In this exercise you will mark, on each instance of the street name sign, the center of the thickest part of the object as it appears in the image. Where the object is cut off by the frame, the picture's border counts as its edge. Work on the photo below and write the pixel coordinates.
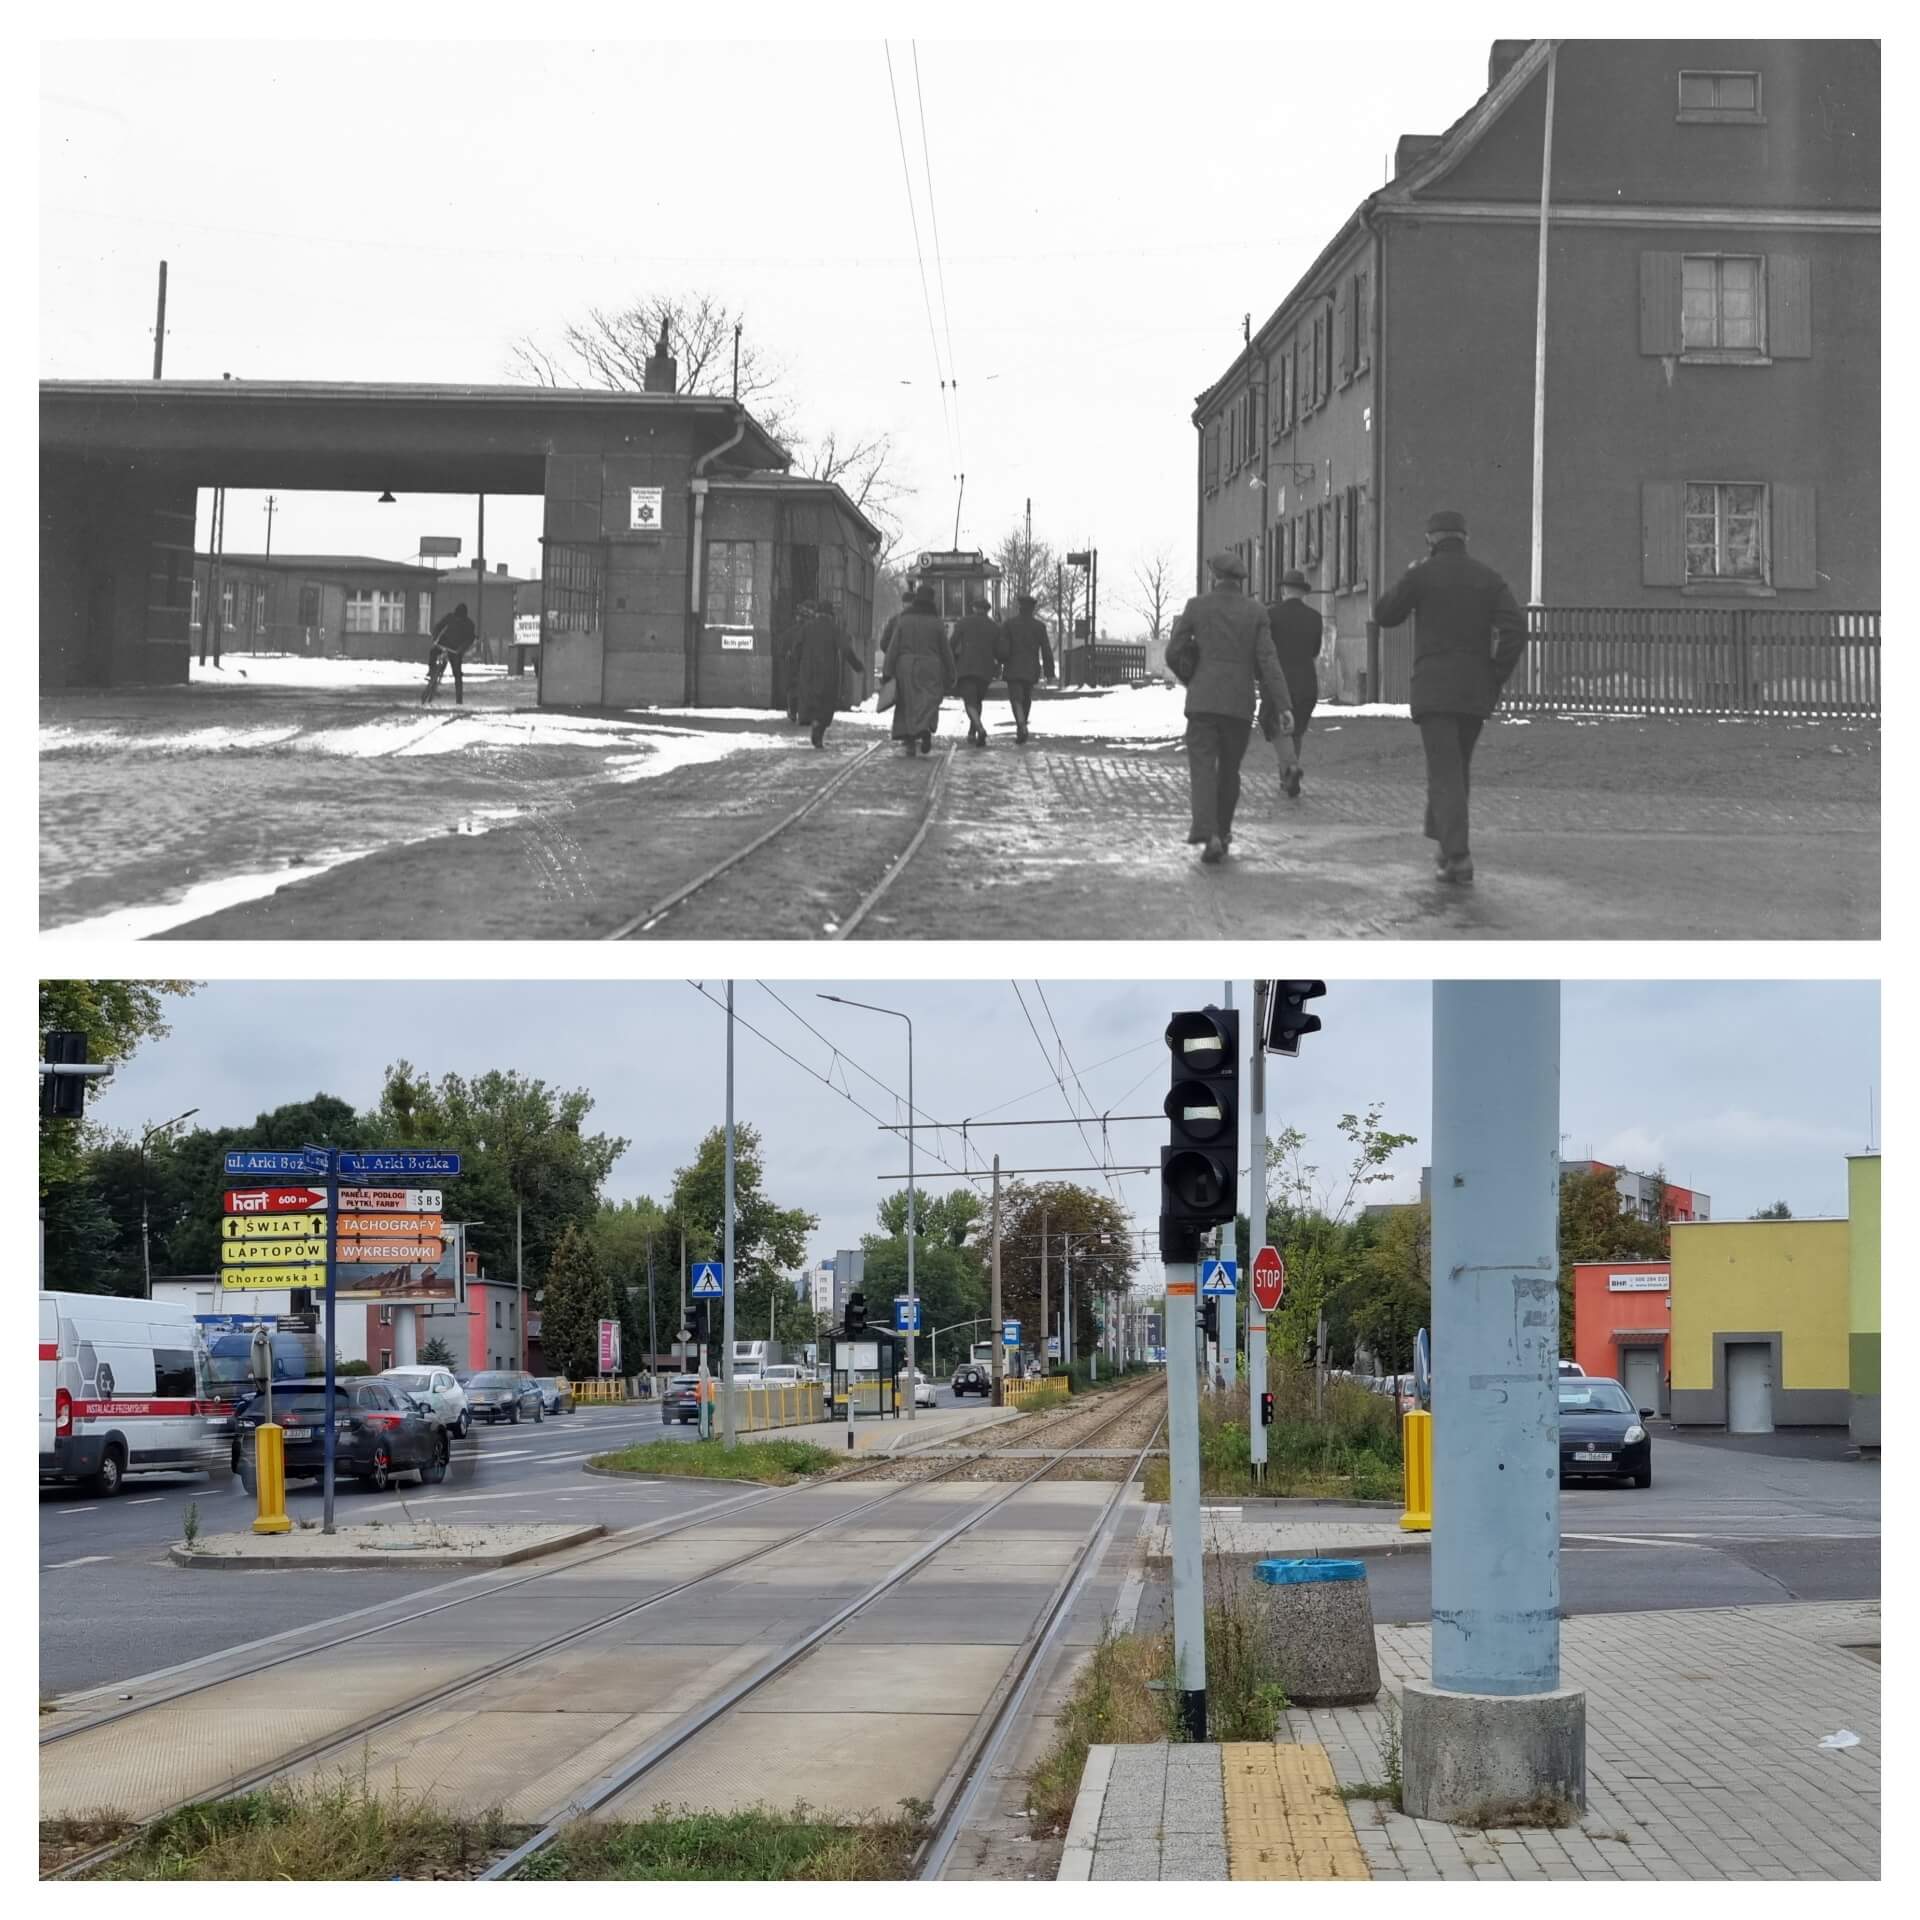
(275, 1226)
(272, 1163)
(389, 1199)
(1269, 1278)
(1218, 1277)
(709, 1280)
(259, 1278)
(248, 1253)
(390, 1226)
(274, 1200)
(364, 1166)
(387, 1253)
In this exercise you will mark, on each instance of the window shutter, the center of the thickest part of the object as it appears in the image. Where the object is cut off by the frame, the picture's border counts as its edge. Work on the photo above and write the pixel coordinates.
(1793, 547)
(1344, 329)
(1362, 320)
(1660, 303)
(1789, 306)
(1663, 543)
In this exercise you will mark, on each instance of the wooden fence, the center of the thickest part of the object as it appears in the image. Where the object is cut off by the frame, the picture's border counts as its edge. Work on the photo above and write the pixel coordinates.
(1705, 660)
(1107, 663)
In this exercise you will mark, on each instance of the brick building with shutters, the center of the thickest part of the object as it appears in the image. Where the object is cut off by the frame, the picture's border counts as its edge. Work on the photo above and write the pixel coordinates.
(1713, 352)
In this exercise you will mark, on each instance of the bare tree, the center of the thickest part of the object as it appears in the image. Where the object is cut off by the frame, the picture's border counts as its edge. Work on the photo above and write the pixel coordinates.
(1153, 578)
(862, 469)
(1026, 566)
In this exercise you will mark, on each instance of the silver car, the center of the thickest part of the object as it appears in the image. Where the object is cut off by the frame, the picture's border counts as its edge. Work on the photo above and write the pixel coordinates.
(444, 1396)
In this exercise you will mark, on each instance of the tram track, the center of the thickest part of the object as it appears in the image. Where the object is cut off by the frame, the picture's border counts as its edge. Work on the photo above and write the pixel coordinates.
(838, 893)
(337, 1740)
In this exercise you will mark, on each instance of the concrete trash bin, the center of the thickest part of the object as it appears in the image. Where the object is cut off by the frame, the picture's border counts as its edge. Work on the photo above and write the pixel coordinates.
(1321, 1628)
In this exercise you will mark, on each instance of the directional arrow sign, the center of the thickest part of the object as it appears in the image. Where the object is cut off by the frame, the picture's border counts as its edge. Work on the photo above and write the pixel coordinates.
(1219, 1277)
(390, 1226)
(254, 1253)
(364, 1166)
(274, 1200)
(234, 1278)
(275, 1226)
(709, 1281)
(388, 1253)
(1269, 1278)
(389, 1199)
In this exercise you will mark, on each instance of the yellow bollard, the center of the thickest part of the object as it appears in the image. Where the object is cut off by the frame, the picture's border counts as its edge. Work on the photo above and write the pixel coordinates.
(270, 1476)
(1416, 1453)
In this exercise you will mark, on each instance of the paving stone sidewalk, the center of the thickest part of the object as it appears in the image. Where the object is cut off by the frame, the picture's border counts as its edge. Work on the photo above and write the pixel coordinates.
(1703, 1762)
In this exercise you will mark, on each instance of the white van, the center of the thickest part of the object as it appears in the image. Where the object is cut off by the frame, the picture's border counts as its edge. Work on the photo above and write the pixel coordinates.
(123, 1389)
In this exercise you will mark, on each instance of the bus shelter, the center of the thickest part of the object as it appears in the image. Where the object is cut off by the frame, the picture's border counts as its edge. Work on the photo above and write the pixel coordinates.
(864, 1365)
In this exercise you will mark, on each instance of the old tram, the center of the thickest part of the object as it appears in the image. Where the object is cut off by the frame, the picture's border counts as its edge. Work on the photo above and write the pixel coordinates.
(957, 576)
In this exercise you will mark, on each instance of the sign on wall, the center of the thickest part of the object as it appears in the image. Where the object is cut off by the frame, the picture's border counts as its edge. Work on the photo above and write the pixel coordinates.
(644, 509)
(1638, 1283)
(736, 640)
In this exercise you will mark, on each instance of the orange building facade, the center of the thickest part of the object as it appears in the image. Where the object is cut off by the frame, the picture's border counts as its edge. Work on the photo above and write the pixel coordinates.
(1622, 1316)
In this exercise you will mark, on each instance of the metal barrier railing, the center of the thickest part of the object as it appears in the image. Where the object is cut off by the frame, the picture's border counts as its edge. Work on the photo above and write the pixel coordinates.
(761, 1409)
(1020, 1393)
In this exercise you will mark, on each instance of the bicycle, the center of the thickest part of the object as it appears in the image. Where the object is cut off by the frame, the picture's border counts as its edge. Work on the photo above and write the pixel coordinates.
(437, 663)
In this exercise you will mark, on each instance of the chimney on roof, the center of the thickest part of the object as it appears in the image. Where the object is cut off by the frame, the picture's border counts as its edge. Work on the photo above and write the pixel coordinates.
(1411, 149)
(1504, 54)
(501, 568)
(663, 371)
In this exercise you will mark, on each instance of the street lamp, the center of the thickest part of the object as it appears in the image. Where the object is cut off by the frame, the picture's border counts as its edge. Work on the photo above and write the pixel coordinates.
(913, 1298)
(933, 1360)
(146, 1255)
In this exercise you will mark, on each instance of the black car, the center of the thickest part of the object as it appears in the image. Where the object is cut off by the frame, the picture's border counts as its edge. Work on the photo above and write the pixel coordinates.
(500, 1395)
(681, 1401)
(1603, 1435)
(378, 1433)
(972, 1379)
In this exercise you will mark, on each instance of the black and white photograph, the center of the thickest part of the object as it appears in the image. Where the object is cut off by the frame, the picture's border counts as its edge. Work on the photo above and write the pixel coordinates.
(960, 490)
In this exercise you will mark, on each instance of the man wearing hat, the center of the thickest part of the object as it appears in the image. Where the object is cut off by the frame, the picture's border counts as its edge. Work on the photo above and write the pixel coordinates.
(1296, 639)
(976, 662)
(1026, 655)
(1468, 637)
(919, 663)
(1221, 647)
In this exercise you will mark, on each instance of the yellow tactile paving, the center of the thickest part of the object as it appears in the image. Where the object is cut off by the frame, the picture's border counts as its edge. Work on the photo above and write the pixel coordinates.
(1285, 1817)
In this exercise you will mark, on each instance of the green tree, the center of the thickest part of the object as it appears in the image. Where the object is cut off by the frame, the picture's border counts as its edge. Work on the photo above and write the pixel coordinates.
(1778, 1211)
(949, 1261)
(115, 1015)
(638, 1245)
(1594, 1226)
(1102, 1247)
(576, 1298)
(436, 1353)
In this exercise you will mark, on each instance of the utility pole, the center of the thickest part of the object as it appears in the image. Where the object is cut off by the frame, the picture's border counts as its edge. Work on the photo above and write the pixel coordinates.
(727, 1435)
(160, 324)
(1046, 1325)
(736, 358)
(480, 586)
(1495, 1725)
(1179, 1251)
(1026, 586)
(653, 1322)
(1066, 1299)
(1229, 1251)
(270, 507)
(519, 1271)
(685, 1326)
(1538, 581)
(999, 1335)
(1257, 1230)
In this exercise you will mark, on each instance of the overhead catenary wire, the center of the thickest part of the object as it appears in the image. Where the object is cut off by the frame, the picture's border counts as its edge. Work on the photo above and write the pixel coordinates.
(906, 175)
(939, 268)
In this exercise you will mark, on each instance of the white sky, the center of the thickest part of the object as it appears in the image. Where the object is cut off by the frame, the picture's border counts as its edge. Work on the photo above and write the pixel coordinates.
(1751, 1092)
(392, 210)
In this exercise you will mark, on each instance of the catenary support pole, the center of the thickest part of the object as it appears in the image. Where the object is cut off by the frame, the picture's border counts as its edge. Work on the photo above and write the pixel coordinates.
(160, 325)
(998, 1335)
(1180, 1253)
(727, 1435)
(1229, 1252)
(1046, 1324)
(327, 1441)
(1257, 1226)
(913, 1232)
(1540, 350)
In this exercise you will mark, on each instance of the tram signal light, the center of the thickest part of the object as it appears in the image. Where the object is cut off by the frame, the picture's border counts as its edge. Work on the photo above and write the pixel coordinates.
(1266, 1409)
(1200, 1164)
(63, 1096)
(1210, 1316)
(1287, 1017)
(856, 1313)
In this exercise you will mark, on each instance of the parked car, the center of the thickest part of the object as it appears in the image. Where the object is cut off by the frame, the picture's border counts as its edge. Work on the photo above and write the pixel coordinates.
(681, 1401)
(780, 1376)
(1603, 1435)
(923, 1392)
(972, 1379)
(556, 1395)
(1569, 1370)
(499, 1395)
(442, 1392)
(378, 1433)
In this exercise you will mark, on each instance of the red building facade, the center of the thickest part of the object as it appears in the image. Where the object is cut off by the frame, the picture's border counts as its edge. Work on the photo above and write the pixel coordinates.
(1622, 1318)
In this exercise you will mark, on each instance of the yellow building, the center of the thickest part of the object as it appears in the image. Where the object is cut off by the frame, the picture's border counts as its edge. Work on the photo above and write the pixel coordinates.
(1863, 1324)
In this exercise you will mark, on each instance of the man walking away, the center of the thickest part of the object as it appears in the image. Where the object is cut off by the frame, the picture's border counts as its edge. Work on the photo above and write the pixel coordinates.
(919, 662)
(453, 636)
(1222, 648)
(976, 661)
(1026, 655)
(1296, 639)
(1468, 637)
(818, 652)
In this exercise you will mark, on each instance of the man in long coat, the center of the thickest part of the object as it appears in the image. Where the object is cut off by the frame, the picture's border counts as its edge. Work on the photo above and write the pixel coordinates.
(976, 662)
(1221, 647)
(920, 664)
(1026, 655)
(1468, 636)
(1296, 639)
(819, 650)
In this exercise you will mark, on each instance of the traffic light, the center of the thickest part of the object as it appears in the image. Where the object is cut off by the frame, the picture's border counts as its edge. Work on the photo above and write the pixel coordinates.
(1266, 1409)
(63, 1096)
(1210, 1316)
(1199, 1166)
(1287, 1017)
(856, 1313)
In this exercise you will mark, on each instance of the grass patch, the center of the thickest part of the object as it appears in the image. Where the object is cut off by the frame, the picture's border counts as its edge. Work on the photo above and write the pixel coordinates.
(1118, 1699)
(1351, 1450)
(774, 1463)
(758, 1844)
(336, 1832)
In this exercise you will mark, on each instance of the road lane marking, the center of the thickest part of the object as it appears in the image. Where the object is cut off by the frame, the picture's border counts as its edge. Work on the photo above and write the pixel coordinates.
(76, 1509)
(145, 1500)
(85, 1560)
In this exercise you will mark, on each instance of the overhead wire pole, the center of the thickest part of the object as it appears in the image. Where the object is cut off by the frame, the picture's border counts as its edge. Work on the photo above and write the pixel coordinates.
(1229, 1252)
(1538, 581)
(727, 1422)
(1257, 1229)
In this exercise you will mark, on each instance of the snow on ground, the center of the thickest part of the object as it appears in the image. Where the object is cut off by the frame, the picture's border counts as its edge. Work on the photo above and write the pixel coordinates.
(306, 670)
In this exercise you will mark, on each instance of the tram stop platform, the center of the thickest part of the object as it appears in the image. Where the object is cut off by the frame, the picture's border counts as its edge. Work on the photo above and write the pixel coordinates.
(932, 1427)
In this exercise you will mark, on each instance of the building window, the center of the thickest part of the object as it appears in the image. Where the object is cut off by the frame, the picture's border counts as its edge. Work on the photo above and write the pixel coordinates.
(496, 1315)
(226, 604)
(386, 1316)
(260, 609)
(1210, 456)
(1362, 321)
(512, 1309)
(193, 618)
(425, 603)
(730, 583)
(371, 611)
(1714, 96)
(1722, 298)
(309, 604)
(1726, 531)
(386, 1358)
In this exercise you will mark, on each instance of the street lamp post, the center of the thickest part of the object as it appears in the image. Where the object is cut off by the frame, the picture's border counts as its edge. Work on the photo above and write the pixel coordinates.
(913, 1297)
(146, 1255)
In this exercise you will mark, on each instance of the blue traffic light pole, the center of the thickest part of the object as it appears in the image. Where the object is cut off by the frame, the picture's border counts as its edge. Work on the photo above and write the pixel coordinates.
(1495, 1728)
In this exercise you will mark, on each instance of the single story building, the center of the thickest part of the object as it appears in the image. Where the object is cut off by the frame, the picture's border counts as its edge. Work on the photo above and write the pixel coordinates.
(1622, 1314)
(337, 606)
(1863, 1299)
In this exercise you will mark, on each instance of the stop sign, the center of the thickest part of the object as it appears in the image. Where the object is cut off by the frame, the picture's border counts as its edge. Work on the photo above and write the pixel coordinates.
(1269, 1278)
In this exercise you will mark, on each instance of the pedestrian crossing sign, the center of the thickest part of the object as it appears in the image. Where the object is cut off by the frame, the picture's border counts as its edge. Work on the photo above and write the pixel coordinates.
(708, 1281)
(1220, 1276)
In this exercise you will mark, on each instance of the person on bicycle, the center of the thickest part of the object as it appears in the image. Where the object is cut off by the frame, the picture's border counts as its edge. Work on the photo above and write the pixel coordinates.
(453, 638)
